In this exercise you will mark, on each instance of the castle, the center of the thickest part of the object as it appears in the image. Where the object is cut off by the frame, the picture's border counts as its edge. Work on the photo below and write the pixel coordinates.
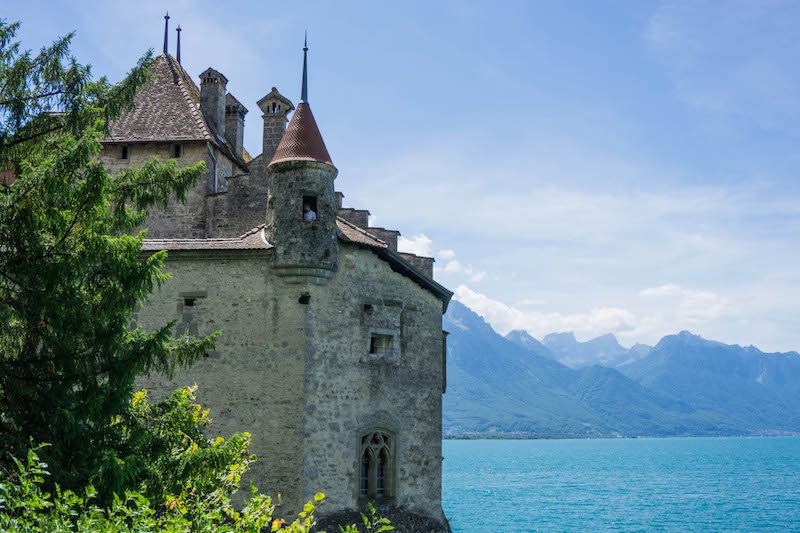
(332, 352)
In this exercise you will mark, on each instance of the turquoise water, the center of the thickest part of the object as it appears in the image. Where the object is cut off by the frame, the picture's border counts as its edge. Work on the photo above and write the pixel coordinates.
(699, 484)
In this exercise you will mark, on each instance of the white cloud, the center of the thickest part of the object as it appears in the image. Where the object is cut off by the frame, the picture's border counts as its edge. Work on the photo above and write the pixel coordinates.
(595, 243)
(678, 308)
(453, 266)
(503, 317)
(446, 254)
(418, 244)
(693, 307)
(525, 302)
(421, 244)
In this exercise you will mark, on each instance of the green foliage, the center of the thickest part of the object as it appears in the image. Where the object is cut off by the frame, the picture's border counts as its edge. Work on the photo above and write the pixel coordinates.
(159, 448)
(26, 506)
(372, 523)
(71, 274)
(184, 482)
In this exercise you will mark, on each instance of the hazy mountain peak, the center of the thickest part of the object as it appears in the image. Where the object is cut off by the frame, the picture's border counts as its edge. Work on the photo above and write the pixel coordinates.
(560, 338)
(640, 349)
(519, 334)
(607, 340)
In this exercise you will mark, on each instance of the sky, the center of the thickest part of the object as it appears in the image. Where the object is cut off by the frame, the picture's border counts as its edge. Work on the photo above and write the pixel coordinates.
(625, 166)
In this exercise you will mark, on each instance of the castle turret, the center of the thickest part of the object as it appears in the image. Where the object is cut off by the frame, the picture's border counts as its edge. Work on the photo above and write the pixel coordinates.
(301, 210)
(275, 108)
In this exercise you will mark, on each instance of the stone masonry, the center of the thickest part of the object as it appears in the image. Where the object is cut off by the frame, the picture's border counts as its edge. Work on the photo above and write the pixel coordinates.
(330, 352)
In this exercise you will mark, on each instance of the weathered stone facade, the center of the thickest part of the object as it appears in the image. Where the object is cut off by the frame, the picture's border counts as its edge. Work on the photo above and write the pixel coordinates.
(329, 336)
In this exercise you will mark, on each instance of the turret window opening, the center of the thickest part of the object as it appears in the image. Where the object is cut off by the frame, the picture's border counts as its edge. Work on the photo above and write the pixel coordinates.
(376, 472)
(381, 344)
(310, 208)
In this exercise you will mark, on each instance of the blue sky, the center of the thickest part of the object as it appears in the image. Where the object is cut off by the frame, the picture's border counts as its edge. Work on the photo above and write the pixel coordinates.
(624, 166)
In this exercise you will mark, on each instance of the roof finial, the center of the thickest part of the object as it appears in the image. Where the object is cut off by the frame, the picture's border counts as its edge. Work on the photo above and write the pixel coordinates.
(304, 91)
(166, 32)
(178, 29)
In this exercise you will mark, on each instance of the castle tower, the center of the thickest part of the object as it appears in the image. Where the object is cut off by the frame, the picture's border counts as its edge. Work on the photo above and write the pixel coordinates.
(301, 176)
(275, 110)
(212, 100)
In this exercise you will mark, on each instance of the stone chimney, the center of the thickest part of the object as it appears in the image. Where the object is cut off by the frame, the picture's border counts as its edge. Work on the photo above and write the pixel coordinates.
(234, 123)
(275, 108)
(389, 236)
(212, 100)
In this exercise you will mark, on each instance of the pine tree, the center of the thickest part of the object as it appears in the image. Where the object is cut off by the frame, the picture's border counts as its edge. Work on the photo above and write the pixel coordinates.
(72, 273)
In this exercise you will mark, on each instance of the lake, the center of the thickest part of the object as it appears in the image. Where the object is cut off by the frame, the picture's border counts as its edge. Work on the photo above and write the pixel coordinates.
(680, 484)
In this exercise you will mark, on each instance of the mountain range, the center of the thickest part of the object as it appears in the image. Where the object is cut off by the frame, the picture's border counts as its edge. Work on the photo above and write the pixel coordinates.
(517, 386)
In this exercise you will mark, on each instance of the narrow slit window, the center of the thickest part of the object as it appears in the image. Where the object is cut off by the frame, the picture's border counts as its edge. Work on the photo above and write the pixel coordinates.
(177, 150)
(123, 153)
(380, 475)
(364, 477)
(309, 208)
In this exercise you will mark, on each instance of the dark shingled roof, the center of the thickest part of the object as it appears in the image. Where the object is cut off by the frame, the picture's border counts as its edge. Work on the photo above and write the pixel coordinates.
(167, 109)
(351, 232)
(252, 240)
(302, 140)
(256, 240)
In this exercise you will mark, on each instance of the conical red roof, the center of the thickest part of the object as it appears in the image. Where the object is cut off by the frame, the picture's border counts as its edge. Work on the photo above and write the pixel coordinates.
(302, 140)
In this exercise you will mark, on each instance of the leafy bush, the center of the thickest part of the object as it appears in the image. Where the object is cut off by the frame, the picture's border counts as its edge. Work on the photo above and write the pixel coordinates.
(184, 481)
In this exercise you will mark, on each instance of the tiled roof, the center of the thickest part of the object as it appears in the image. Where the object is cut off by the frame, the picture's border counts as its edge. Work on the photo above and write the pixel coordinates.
(256, 240)
(252, 240)
(302, 140)
(352, 233)
(167, 109)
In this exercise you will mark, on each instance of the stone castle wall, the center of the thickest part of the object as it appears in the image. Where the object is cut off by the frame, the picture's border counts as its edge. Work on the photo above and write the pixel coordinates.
(253, 380)
(238, 205)
(348, 392)
(178, 219)
(299, 376)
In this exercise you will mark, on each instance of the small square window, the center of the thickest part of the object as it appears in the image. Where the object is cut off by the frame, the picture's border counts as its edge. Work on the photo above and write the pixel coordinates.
(123, 152)
(309, 208)
(380, 345)
(177, 150)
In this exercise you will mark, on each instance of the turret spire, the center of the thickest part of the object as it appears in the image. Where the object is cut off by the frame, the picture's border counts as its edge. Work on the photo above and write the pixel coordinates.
(166, 32)
(304, 90)
(178, 29)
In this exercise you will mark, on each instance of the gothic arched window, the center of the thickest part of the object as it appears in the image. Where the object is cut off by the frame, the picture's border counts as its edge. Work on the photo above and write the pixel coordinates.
(376, 466)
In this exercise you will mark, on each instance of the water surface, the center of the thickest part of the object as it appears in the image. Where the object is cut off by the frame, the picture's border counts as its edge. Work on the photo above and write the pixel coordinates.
(682, 484)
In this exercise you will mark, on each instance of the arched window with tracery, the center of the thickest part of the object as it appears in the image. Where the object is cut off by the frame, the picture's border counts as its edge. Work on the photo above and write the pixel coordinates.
(376, 468)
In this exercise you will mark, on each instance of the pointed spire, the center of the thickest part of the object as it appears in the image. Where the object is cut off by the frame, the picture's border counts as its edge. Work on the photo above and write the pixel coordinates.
(304, 90)
(302, 140)
(166, 32)
(178, 29)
